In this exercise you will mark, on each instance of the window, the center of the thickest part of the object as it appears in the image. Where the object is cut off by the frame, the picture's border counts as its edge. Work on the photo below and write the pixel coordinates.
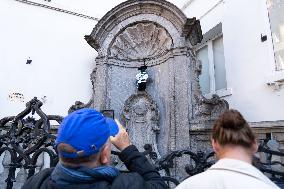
(213, 74)
(276, 17)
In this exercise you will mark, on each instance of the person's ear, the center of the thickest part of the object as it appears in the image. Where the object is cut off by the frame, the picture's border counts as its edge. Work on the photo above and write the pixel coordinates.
(254, 147)
(105, 155)
(215, 145)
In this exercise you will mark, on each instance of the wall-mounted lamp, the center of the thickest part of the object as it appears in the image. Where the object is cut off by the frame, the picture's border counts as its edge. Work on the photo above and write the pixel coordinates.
(29, 61)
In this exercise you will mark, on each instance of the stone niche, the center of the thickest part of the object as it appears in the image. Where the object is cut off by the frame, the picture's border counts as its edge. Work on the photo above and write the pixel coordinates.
(158, 34)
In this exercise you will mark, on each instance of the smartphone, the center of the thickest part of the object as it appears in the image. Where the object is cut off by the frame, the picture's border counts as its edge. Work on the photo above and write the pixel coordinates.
(108, 113)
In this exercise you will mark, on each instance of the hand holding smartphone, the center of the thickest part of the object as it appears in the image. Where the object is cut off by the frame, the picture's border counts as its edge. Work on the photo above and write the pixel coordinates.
(121, 140)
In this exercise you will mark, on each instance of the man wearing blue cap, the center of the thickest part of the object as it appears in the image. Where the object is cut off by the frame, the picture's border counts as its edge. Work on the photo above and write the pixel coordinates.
(84, 148)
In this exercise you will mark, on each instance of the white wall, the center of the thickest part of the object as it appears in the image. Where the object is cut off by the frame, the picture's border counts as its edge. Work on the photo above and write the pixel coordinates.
(61, 59)
(209, 12)
(249, 62)
(88, 7)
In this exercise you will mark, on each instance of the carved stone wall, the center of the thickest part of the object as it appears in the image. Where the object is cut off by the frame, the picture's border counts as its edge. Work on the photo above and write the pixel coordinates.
(158, 34)
(141, 41)
(140, 116)
(200, 136)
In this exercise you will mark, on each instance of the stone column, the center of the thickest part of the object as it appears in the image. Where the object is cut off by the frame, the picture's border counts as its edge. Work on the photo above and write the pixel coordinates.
(99, 81)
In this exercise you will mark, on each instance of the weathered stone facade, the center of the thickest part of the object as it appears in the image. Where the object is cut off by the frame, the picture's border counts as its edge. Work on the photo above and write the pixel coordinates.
(158, 34)
(200, 136)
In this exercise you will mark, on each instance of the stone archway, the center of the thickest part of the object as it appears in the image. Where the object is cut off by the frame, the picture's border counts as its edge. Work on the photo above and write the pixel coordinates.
(158, 32)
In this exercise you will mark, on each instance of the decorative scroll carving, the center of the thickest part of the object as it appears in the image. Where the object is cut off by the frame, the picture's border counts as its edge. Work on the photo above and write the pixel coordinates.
(214, 106)
(159, 11)
(143, 40)
(174, 52)
(208, 110)
(205, 111)
(141, 116)
(79, 105)
(192, 31)
(92, 42)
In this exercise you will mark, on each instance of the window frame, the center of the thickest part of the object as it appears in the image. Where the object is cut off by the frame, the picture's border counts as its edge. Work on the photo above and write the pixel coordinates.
(212, 85)
(277, 69)
(275, 77)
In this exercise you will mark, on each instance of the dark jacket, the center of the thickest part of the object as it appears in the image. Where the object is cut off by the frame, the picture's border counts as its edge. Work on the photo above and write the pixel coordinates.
(143, 175)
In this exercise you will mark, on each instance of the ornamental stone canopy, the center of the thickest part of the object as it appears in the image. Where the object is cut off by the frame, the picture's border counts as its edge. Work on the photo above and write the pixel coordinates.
(155, 34)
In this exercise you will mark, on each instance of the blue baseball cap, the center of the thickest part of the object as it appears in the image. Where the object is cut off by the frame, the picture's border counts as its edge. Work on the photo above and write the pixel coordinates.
(86, 130)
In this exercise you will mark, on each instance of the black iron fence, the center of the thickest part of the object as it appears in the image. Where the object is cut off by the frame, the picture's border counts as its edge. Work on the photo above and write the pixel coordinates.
(24, 139)
(271, 164)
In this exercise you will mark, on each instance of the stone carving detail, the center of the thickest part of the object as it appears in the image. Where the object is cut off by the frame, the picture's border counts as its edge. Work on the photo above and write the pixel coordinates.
(212, 108)
(215, 106)
(92, 42)
(192, 31)
(205, 111)
(140, 116)
(79, 105)
(143, 40)
(159, 32)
